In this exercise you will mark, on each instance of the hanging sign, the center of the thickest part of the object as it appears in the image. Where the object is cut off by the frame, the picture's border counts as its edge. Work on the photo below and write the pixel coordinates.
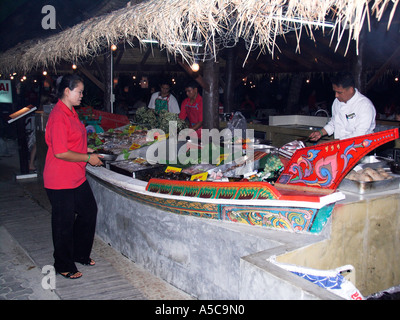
(5, 91)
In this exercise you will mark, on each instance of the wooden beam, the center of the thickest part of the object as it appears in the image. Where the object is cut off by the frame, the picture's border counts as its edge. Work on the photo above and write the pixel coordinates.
(91, 77)
(382, 69)
(126, 68)
(298, 58)
(99, 70)
(146, 56)
(119, 57)
(197, 77)
(322, 54)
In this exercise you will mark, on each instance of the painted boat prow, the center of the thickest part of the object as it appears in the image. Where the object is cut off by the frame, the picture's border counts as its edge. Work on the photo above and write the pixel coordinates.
(324, 166)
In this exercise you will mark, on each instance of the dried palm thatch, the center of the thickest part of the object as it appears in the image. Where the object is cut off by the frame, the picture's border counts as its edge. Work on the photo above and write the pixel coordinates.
(211, 24)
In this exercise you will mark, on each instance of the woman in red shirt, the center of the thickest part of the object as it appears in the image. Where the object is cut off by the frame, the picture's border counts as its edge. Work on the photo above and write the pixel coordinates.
(74, 207)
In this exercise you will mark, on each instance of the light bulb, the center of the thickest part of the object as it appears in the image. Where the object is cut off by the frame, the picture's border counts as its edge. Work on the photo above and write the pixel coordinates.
(195, 67)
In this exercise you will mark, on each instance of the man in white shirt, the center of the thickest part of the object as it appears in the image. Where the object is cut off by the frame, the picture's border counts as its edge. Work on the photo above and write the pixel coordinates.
(163, 100)
(353, 114)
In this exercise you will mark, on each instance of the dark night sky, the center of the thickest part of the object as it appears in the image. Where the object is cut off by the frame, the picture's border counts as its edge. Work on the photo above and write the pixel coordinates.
(21, 20)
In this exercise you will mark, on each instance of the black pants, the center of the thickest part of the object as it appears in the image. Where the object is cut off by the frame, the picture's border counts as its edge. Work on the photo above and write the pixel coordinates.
(73, 220)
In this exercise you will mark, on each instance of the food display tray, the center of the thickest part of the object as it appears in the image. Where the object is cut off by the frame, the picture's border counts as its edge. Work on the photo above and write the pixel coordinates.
(135, 170)
(367, 187)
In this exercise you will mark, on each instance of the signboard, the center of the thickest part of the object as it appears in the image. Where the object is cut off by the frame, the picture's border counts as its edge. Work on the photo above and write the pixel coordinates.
(5, 91)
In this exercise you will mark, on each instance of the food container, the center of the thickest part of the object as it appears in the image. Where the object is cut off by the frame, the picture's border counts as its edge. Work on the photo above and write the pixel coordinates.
(367, 187)
(375, 162)
(265, 148)
(370, 160)
(138, 171)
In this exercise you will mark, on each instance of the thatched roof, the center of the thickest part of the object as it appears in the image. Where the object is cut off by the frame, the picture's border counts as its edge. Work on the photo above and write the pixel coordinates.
(214, 24)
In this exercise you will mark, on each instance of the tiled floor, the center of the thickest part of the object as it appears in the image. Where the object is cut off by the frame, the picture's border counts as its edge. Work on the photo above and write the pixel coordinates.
(149, 286)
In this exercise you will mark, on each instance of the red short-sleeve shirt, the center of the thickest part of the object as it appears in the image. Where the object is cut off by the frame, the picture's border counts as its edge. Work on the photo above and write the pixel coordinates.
(194, 112)
(64, 131)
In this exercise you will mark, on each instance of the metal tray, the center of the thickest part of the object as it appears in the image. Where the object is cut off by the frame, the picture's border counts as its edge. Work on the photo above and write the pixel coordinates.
(139, 172)
(367, 187)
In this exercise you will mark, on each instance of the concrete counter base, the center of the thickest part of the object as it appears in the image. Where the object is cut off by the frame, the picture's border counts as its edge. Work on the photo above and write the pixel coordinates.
(205, 258)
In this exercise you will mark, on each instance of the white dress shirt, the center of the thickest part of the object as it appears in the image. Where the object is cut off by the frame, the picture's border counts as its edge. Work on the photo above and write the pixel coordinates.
(353, 118)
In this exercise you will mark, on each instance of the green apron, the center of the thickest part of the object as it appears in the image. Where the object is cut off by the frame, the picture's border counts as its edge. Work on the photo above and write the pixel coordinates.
(161, 104)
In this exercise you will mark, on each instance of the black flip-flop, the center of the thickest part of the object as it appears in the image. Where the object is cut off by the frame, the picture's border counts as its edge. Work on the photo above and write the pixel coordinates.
(70, 275)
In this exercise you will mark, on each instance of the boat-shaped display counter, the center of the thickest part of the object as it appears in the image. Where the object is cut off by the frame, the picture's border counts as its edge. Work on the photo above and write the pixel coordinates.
(302, 200)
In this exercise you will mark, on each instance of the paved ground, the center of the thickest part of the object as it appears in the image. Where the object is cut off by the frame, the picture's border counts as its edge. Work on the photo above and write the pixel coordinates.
(26, 251)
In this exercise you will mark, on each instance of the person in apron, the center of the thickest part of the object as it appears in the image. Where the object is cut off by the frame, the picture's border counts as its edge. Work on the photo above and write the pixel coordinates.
(164, 100)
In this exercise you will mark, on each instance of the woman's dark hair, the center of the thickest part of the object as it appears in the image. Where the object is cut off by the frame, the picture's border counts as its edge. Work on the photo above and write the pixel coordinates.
(343, 79)
(68, 81)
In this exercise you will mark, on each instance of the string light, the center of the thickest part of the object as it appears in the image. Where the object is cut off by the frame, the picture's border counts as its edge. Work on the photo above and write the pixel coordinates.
(74, 66)
(195, 67)
(113, 47)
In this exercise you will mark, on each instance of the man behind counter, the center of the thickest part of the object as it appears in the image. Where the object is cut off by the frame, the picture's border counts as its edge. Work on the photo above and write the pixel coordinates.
(192, 108)
(163, 99)
(353, 114)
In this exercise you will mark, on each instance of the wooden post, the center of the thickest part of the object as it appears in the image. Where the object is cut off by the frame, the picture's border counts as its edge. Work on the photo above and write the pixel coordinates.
(107, 81)
(229, 81)
(358, 67)
(210, 95)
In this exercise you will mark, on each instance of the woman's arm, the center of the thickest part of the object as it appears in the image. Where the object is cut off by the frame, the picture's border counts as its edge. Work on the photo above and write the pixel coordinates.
(72, 156)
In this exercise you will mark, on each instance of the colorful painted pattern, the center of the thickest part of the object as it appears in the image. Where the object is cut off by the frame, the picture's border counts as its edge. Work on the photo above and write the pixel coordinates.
(214, 190)
(283, 218)
(291, 219)
(321, 166)
(325, 165)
